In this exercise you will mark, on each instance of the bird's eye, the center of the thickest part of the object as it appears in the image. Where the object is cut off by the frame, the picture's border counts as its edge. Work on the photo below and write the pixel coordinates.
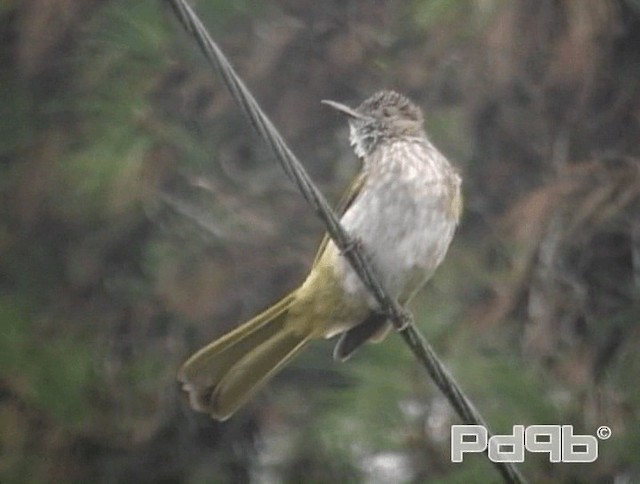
(386, 112)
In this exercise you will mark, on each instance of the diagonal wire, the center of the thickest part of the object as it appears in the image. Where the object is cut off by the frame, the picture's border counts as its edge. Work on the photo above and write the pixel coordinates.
(354, 253)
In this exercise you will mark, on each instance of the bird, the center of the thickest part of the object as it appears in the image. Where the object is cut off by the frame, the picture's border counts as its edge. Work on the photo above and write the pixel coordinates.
(402, 209)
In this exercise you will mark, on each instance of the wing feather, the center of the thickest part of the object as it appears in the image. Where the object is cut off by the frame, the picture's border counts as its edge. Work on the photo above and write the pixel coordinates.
(347, 200)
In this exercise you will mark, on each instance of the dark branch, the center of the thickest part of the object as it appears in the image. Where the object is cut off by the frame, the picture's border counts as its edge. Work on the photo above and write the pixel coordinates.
(401, 319)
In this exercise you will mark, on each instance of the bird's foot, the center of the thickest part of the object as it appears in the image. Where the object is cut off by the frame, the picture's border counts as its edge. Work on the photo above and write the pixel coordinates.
(404, 321)
(354, 243)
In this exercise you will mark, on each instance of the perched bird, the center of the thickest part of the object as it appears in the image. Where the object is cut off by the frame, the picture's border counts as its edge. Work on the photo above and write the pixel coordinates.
(402, 209)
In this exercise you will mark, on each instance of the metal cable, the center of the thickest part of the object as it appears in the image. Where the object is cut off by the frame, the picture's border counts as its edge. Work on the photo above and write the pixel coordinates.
(354, 253)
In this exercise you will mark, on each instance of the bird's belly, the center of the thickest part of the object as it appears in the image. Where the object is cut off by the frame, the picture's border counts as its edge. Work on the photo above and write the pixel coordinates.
(403, 266)
(406, 242)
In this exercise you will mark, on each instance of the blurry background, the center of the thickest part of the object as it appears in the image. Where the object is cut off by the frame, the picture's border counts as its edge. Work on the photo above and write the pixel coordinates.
(140, 217)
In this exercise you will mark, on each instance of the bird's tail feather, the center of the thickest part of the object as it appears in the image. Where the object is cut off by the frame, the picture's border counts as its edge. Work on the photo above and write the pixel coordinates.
(226, 373)
(254, 370)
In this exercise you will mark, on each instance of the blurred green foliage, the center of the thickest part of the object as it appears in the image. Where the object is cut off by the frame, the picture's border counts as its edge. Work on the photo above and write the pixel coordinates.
(56, 377)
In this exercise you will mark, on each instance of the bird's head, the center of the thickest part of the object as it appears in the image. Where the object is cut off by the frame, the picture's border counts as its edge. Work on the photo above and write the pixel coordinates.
(387, 115)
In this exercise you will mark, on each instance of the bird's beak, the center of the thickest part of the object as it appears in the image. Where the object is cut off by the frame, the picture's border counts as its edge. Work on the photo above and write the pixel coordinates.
(352, 113)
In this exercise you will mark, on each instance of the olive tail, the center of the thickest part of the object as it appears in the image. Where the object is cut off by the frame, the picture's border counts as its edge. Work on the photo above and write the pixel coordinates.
(223, 375)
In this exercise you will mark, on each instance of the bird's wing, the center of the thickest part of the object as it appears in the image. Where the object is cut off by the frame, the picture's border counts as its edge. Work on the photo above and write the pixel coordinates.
(347, 200)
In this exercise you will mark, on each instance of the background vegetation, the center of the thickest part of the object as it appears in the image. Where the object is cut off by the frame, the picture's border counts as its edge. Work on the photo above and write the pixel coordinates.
(140, 217)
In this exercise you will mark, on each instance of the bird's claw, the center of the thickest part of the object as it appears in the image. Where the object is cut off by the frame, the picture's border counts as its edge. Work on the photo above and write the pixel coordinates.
(404, 321)
(354, 243)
